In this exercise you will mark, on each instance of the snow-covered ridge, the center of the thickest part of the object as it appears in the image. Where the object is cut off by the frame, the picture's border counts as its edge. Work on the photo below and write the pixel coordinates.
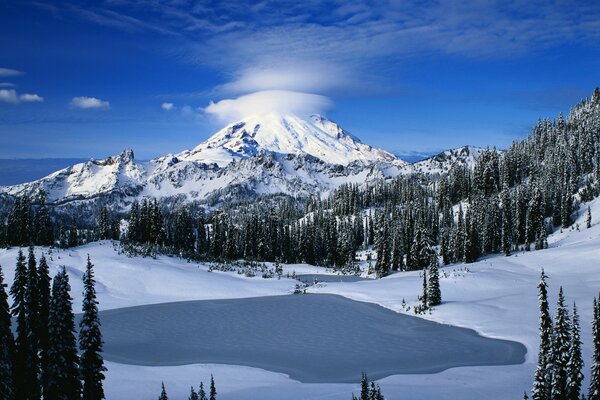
(269, 154)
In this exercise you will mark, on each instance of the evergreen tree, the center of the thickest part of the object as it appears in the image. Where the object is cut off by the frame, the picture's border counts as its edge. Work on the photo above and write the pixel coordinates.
(213, 389)
(44, 293)
(32, 305)
(163, 393)
(24, 374)
(560, 347)
(7, 390)
(434, 294)
(43, 227)
(423, 299)
(588, 218)
(542, 377)
(90, 340)
(575, 363)
(63, 373)
(201, 392)
(193, 394)
(594, 389)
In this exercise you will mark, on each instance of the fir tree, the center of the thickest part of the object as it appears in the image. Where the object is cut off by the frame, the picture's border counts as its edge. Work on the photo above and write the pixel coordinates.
(90, 340)
(44, 292)
(32, 304)
(588, 218)
(434, 294)
(163, 393)
(24, 374)
(560, 347)
(541, 381)
(213, 389)
(193, 394)
(423, 299)
(7, 390)
(63, 373)
(575, 363)
(201, 392)
(594, 389)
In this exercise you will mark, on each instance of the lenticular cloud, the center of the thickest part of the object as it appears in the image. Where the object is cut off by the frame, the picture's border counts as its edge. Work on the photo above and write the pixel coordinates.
(268, 101)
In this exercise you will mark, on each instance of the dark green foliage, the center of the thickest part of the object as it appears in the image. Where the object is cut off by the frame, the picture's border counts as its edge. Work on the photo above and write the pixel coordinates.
(594, 389)
(560, 345)
(163, 393)
(213, 389)
(44, 292)
(368, 390)
(90, 341)
(7, 390)
(63, 363)
(543, 372)
(434, 293)
(575, 363)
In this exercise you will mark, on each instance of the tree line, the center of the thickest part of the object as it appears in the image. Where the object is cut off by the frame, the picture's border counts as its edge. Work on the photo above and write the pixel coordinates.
(41, 360)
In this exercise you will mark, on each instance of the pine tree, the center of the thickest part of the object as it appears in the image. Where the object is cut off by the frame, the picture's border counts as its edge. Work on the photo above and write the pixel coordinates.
(193, 394)
(24, 375)
(213, 389)
(32, 304)
(575, 363)
(588, 218)
(423, 299)
(560, 346)
(63, 373)
(44, 292)
(7, 390)
(201, 392)
(541, 381)
(163, 393)
(90, 340)
(434, 294)
(594, 389)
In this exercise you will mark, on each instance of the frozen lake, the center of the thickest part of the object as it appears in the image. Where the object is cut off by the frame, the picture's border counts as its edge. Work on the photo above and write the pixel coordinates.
(312, 338)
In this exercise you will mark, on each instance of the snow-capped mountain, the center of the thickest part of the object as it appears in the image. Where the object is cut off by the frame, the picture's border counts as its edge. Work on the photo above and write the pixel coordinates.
(287, 134)
(269, 154)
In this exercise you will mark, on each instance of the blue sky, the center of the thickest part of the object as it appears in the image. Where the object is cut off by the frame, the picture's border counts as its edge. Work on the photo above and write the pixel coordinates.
(89, 78)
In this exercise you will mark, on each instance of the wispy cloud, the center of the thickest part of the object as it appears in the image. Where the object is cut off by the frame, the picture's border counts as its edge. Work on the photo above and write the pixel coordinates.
(167, 106)
(279, 101)
(7, 72)
(11, 96)
(7, 84)
(89, 103)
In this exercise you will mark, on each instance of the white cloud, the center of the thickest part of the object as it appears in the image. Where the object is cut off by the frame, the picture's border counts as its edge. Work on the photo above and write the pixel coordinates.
(10, 72)
(7, 84)
(89, 102)
(167, 106)
(31, 98)
(279, 101)
(11, 96)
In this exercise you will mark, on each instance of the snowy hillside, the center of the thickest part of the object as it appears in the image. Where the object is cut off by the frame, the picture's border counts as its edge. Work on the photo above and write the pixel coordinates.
(442, 162)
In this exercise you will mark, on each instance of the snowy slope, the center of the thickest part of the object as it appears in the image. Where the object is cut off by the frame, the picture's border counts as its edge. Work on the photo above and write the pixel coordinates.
(286, 134)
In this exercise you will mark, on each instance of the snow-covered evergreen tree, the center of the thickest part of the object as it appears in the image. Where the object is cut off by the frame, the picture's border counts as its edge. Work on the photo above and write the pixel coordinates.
(560, 346)
(213, 389)
(434, 294)
(594, 389)
(7, 389)
(91, 364)
(543, 373)
(163, 393)
(63, 370)
(575, 363)
(44, 292)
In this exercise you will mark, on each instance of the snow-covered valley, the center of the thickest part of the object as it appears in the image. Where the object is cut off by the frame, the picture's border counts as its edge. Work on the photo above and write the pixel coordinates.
(495, 296)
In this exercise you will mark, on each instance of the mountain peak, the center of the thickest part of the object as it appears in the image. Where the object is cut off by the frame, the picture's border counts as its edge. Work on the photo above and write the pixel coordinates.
(287, 134)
